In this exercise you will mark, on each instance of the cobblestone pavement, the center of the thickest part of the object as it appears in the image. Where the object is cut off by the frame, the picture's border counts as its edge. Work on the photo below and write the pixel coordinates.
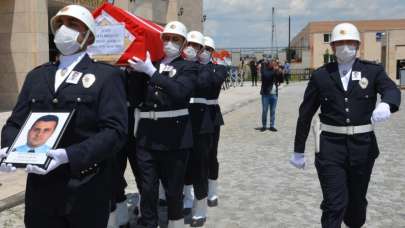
(260, 189)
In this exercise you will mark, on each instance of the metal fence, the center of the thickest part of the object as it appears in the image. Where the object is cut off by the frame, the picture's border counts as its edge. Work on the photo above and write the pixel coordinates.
(235, 79)
(301, 74)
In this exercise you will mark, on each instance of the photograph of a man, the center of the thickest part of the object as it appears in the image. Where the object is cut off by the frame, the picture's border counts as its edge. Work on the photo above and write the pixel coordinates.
(38, 135)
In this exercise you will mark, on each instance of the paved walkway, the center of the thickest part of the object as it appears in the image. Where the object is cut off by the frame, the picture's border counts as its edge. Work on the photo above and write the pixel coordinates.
(259, 188)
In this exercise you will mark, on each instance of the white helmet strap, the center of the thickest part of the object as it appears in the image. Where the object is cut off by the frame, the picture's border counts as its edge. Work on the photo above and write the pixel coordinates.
(86, 37)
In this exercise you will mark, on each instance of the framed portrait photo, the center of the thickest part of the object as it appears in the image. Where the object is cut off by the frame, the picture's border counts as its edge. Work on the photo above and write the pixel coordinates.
(40, 133)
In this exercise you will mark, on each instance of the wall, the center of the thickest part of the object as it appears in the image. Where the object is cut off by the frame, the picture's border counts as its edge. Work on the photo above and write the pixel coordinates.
(192, 14)
(162, 12)
(24, 44)
(154, 10)
(371, 48)
(236, 58)
(395, 47)
(319, 48)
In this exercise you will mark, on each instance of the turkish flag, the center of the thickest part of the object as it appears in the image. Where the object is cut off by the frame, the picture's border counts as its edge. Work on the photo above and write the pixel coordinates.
(146, 34)
(222, 57)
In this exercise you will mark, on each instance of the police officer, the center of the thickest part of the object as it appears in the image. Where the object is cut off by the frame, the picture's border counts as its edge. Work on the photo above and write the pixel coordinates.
(346, 93)
(203, 128)
(75, 190)
(164, 134)
(218, 75)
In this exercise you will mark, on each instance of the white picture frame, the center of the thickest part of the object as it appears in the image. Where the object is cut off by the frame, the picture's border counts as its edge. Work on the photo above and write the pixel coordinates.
(40, 133)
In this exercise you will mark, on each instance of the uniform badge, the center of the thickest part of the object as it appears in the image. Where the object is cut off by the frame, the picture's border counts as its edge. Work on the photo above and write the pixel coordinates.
(356, 75)
(363, 83)
(162, 68)
(172, 72)
(88, 80)
(167, 68)
(74, 77)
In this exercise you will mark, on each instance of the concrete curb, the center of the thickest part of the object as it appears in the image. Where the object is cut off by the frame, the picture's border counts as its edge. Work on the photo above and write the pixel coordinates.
(12, 201)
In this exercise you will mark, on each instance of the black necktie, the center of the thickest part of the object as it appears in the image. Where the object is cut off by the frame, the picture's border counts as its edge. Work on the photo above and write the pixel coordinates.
(31, 151)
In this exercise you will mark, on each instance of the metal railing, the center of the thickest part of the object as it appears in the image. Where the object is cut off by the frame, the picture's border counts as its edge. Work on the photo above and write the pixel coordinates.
(233, 78)
(301, 74)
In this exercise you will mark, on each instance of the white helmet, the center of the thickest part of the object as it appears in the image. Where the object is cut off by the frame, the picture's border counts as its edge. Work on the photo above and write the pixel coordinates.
(78, 12)
(209, 42)
(176, 27)
(195, 37)
(345, 31)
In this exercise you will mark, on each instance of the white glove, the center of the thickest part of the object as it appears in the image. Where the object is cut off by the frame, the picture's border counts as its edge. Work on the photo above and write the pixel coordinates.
(298, 160)
(381, 113)
(59, 157)
(3, 167)
(3, 153)
(146, 67)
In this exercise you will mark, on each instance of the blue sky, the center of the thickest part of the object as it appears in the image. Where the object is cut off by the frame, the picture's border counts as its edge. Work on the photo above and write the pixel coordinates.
(247, 23)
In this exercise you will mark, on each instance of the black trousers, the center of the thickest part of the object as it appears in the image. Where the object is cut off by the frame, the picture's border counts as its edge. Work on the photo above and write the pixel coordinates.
(344, 174)
(82, 216)
(213, 164)
(287, 78)
(170, 168)
(197, 167)
(127, 153)
(254, 79)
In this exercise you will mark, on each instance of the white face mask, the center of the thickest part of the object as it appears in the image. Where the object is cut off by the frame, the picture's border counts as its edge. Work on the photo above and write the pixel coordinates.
(66, 40)
(205, 57)
(345, 53)
(171, 49)
(190, 54)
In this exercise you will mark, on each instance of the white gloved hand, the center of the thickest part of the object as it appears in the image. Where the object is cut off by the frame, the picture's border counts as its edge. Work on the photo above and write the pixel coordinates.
(298, 160)
(381, 113)
(145, 67)
(59, 157)
(3, 152)
(6, 168)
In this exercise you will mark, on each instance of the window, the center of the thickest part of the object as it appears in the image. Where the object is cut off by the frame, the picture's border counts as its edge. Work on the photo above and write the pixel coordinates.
(326, 37)
(379, 36)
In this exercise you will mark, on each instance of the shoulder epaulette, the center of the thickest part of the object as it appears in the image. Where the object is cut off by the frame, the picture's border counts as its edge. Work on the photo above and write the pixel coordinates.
(44, 65)
(369, 62)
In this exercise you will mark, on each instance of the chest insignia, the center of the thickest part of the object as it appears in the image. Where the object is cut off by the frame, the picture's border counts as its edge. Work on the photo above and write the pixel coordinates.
(363, 83)
(88, 80)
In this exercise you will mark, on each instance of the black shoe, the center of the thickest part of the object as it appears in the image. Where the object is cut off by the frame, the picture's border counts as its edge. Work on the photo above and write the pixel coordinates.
(186, 211)
(198, 222)
(262, 129)
(212, 203)
(136, 211)
(140, 224)
(125, 226)
(273, 129)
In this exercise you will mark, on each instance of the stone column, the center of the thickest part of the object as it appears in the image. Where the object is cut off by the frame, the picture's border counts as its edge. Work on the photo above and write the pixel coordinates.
(24, 44)
(192, 14)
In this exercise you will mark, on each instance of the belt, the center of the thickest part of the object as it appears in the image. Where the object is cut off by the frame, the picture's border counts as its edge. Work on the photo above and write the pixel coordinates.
(212, 102)
(195, 100)
(347, 130)
(164, 114)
